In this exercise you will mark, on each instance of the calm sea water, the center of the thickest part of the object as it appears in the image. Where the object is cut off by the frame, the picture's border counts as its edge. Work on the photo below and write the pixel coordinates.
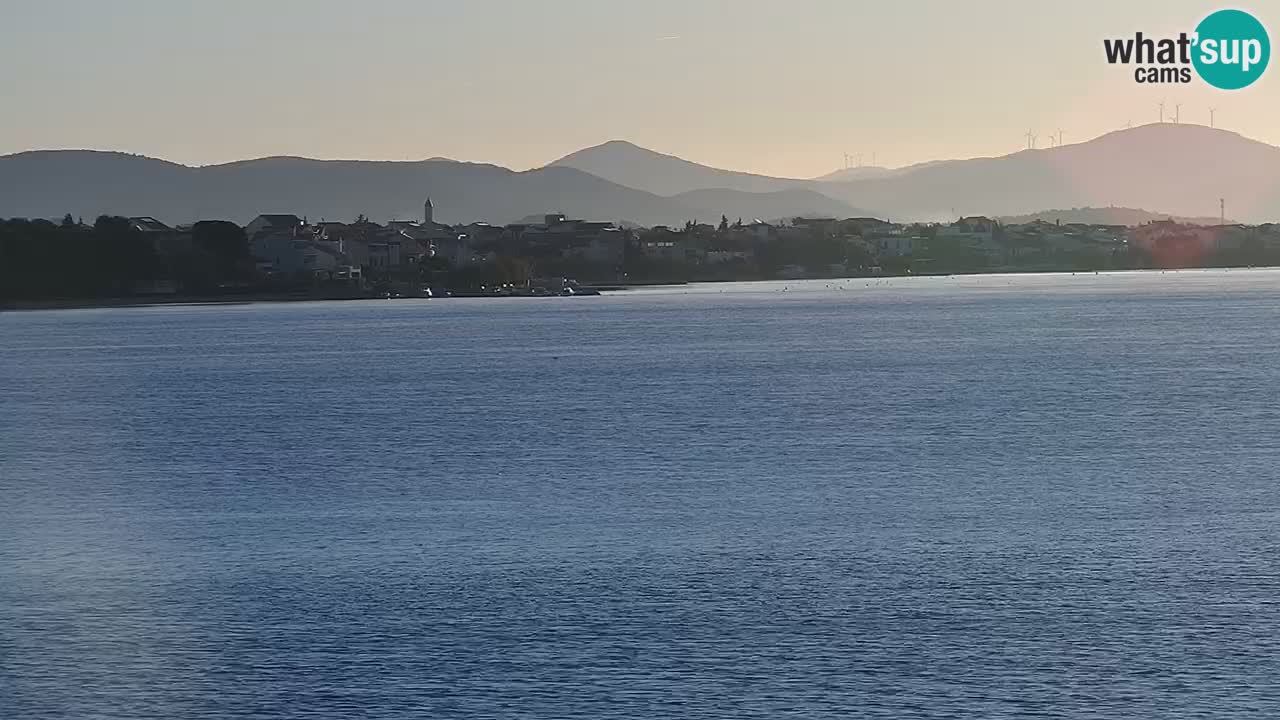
(988, 497)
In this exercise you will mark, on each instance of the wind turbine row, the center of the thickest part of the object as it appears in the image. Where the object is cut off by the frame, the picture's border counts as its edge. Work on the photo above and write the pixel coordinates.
(854, 160)
(1054, 140)
(1177, 114)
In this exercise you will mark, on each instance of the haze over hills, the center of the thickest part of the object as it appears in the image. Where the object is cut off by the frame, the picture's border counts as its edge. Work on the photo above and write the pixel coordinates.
(44, 184)
(89, 183)
(1106, 216)
(49, 183)
(1180, 169)
(767, 206)
(629, 164)
(867, 172)
(856, 173)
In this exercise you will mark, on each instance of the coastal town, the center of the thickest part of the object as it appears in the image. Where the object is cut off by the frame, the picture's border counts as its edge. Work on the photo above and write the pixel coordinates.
(288, 255)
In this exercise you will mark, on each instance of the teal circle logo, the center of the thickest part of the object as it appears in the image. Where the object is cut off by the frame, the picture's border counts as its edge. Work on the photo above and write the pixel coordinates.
(1232, 49)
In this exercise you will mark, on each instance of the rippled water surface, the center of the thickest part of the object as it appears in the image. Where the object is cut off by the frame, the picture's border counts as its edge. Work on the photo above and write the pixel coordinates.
(988, 497)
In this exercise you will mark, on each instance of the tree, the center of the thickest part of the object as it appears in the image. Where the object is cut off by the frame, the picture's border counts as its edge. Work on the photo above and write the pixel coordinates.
(724, 225)
(122, 257)
(225, 244)
(68, 221)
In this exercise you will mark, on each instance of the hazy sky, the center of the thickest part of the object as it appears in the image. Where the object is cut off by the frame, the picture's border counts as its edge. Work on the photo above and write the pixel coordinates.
(763, 85)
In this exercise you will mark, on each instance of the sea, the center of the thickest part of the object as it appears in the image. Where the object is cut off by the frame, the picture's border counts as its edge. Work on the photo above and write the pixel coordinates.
(993, 496)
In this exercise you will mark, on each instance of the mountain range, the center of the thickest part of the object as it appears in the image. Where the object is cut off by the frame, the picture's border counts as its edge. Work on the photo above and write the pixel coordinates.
(1168, 169)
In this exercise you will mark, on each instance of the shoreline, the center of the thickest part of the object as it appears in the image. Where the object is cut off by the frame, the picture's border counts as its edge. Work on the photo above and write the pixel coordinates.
(267, 297)
(596, 288)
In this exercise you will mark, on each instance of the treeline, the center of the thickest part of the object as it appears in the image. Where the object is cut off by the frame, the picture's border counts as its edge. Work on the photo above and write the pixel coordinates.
(40, 259)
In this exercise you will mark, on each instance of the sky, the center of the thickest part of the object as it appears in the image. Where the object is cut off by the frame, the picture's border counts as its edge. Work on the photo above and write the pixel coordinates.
(780, 88)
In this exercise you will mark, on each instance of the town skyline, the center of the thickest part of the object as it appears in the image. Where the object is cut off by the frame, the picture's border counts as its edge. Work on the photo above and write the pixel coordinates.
(751, 86)
(283, 256)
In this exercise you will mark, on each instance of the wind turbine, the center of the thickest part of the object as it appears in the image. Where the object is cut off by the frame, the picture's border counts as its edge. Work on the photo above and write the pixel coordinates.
(1212, 111)
(1060, 138)
(1162, 111)
(1031, 140)
(1177, 113)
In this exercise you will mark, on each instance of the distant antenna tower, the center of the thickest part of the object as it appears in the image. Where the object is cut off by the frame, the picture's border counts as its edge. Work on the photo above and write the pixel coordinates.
(1212, 111)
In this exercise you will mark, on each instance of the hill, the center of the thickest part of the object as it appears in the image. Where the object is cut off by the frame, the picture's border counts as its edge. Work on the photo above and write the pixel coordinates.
(90, 183)
(636, 167)
(1184, 169)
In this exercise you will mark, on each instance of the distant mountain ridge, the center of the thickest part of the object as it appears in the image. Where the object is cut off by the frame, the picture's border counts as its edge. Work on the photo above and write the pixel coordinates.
(1183, 170)
(89, 183)
(629, 164)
